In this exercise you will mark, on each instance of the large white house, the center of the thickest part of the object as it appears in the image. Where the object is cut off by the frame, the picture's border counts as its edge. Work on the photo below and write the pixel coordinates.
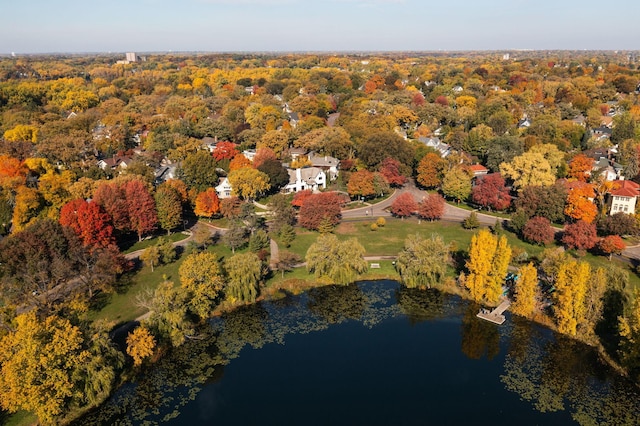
(623, 198)
(312, 178)
(325, 162)
(224, 188)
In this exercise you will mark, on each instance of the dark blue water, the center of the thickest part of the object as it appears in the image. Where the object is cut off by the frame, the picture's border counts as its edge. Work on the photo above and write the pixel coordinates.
(374, 354)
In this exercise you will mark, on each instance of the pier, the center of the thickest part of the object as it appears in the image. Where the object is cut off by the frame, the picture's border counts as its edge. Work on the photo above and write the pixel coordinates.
(495, 316)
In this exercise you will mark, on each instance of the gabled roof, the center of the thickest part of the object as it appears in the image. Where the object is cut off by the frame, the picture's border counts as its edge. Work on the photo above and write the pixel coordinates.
(478, 169)
(626, 188)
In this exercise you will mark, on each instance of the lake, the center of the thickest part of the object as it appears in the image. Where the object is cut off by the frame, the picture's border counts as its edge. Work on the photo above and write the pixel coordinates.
(374, 353)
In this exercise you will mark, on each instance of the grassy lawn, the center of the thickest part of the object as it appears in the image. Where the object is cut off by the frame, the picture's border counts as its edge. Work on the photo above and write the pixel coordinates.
(176, 236)
(21, 418)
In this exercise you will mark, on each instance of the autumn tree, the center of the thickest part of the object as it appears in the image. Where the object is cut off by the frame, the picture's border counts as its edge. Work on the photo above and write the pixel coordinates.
(168, 206)
(151, 256)
(611, 244)
(89, 221)
(488, 261)
(543, 201)
(278, 174)
(526, 291)
(201, 277)
(111, 197)
(571, 288)
(580, 235)
(140, 345)
(422, 263)
(538, 230)
(361, 184)
(286, 261)
(390, 170)
(300, 196)
(224, 151)
(141, 207)
(248, 183)
(230, 207)
(530, 168)
(207, 203)
(198, 171)
(456, 184)
(430, 170)
(404, 205)
(619, 224)
(579, 205)
(316, 207)
(491, 192)
(335, 261)
(245, 273)
(580, 167)
(28, 204)
(238, 162)
(431, 207)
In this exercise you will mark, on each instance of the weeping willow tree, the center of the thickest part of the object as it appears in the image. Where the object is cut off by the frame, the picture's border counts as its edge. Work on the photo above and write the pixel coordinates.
(422, 263)
(244, 272)
(334, 261)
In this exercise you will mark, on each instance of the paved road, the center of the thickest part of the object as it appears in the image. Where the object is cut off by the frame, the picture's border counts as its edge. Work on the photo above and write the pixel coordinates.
(451, 213)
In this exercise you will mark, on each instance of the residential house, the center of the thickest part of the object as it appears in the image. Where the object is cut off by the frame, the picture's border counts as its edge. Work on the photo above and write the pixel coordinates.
(296, 153)
(609, 169)
(224, 189)
(115, 162)
(435, 143)
(164, 173)
(312, 178)
(478, 170)
(623, 198)
(524, 123)
(602, 132)
(249, 154)
(326, 163)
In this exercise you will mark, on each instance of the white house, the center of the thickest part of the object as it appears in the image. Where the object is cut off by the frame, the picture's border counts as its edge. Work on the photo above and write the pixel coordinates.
(623, 198)
(224, 188)
(312, 178)
(325, 162)
(249, 154)
(435, 143)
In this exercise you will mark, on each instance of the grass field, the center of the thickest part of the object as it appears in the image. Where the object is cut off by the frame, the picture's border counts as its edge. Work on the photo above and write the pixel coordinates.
(176, 236)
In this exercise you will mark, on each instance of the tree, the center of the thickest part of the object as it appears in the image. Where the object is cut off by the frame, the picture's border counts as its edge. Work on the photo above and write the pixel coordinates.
(259, 240)
(286, 261)
(151, 256)
(198, 171)
(619, 224)
(490, 191)
(538, 230)
(278, 175)
(141, 207)
(580, 235)
(207, 203)
(230, 207)
(248, 183)
(378, 146)
(422, 263)
(111, 197)
(390, 170)
(238, 162)
(38, 360)
(503, 149)
(489, 258)
(580, 167)
(140, 345)
(471, 221)
(318, 206)
(526, 291)
(543, 201)
(611, 244)
(300, 196)
(224, 151)
(530, 168)
(287, 235)
(235, 237)
(283, 212)
(430, 170)
(431, 207)
(336, 261)
(245, 273)
(404, 205)
(579, 205)
(27, 205)
(571, 288)
(456, 184)
(263, 154)
(361, 184)
(169, 207)
(89, 221)
(201, 277)
(170, 308)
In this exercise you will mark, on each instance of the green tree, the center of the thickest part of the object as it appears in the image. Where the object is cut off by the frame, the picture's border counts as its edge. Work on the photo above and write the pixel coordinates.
(169, 207)
(169, 306)
(336, 261)
(201, 277)
(235, 236)
(456, 184)
(287, 235)
(245, 273)
(151, 256)
(258, 241)
(198, 171)
(422, 263)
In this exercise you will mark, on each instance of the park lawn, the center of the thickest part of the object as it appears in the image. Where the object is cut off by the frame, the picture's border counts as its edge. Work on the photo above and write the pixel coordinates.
(176, 236)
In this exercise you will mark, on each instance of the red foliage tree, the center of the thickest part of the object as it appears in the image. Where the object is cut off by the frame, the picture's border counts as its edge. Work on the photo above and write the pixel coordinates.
(298, 199)
(431, 207)
(319, 207)
(580, 235)
(418, 99)
(263, 154)
(89, 221)
(404, 205)
(113, 200)
(390, 170)
(490, 191)
(225, 151)
(442, 100)
(611, 244)
(538, 230)
(142, 208)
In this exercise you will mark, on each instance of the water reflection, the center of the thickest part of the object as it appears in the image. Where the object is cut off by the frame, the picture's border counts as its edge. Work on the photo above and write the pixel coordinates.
(549, 373)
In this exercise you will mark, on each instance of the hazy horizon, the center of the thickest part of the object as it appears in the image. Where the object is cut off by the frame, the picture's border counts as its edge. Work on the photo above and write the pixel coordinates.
(226, 26)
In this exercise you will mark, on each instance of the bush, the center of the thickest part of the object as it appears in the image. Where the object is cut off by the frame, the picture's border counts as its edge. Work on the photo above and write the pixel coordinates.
(381, 222)
(374, 227)
(471, 222)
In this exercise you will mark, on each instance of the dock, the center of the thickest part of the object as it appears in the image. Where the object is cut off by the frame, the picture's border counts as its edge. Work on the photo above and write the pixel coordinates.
(496, 316)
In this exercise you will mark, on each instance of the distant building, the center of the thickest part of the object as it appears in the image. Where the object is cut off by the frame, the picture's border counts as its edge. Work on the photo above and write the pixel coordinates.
(623, 198)
(312, 178)
(131, 57)
(224, 189)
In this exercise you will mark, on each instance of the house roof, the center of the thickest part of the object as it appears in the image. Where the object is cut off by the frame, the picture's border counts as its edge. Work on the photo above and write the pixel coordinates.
(626, 188)
(478, 169)
(322, 160)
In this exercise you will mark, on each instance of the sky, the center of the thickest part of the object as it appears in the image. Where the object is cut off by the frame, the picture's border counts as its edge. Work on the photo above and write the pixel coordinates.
(73, 26)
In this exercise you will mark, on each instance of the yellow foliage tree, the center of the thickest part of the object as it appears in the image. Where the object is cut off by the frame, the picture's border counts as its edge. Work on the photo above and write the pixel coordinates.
(526, 287)
(530, 168)
(140, 345)
(201, 277)
(499, 267)
(28, 203)
(37, 362)
(22, 132)
(571, 288)
(481, 253)
(248, 183)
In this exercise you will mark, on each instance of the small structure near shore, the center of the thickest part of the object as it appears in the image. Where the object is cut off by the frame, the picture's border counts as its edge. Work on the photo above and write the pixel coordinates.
(496, 316)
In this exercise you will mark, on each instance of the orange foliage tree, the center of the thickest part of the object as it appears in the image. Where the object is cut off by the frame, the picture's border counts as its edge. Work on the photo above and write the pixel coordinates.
(207, 203)
(580, 167)
(579, 205)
